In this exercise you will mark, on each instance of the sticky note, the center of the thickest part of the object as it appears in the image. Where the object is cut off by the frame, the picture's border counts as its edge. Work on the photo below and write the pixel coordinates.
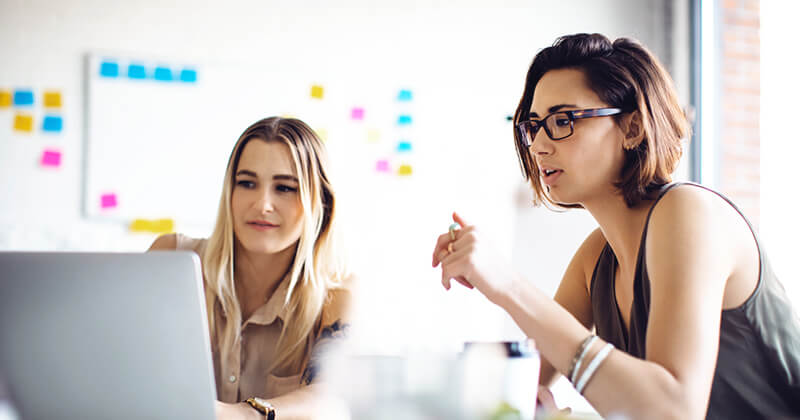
(322, 134)
(317, 91)
(108, 201)
(404, 95)
(163, 74)
(382, 165)
(404, 120)
(404, 170)
(51, 158)
(5, 99)
(136, 71)
(373, 136)
(52, 99)
(23, 122)
(357, 113)
(153, 226)
(52, 124)
(23, 97)
(109, 69)
(188, 76)
(404, 146)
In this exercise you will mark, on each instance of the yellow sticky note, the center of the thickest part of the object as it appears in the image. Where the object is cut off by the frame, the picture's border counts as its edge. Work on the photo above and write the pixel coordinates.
(5, 99)
(52, 99)
(404, 170)
(153, 226)
(317, 91)
(373, 136)
(23, 122)
(323, 134)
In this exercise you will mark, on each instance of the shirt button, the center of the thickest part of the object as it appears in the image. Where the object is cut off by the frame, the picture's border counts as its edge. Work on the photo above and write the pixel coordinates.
(232, 378)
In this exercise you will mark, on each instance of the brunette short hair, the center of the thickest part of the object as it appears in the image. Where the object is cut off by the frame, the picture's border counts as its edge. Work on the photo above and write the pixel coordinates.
(625, 75)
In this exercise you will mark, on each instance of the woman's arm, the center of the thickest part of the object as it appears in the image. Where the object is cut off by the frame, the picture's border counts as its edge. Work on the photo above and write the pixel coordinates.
(690, 256)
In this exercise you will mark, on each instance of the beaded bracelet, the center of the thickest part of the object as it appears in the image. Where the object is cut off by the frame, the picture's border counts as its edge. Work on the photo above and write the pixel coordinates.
(579, 355)
(593, 365)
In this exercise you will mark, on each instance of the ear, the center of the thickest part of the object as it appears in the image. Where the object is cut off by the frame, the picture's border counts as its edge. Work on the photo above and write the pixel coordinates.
(633, 129)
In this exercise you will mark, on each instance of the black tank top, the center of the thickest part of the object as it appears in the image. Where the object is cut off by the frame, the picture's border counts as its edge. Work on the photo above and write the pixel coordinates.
(758, 365)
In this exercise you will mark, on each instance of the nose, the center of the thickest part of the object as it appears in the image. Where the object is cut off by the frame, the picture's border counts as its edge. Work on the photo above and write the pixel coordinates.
(541, 144)
(265, 203)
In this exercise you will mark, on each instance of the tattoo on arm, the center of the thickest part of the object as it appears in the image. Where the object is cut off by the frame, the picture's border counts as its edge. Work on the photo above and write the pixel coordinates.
(328, 339)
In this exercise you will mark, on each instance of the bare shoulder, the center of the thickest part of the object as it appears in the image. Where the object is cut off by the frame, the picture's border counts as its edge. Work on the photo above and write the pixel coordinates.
(167, 242)
(687, 207)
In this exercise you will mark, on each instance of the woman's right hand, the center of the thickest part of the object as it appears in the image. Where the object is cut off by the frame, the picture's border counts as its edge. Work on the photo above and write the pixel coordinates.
(472, 261)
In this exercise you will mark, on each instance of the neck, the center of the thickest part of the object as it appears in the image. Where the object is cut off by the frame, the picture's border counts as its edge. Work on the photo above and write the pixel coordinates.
(257, 275)
(621, 225)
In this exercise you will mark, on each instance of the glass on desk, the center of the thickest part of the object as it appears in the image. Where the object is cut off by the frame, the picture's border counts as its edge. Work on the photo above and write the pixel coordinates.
(487, 381)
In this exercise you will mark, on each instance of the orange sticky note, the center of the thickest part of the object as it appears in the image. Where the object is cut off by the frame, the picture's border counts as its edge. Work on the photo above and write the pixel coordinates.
(5, 99)
(23, 122)
(404, 170)
(52, 99)
(317, 91)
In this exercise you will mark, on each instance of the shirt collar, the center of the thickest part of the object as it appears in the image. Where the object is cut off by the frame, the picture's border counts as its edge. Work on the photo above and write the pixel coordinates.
(274, 307)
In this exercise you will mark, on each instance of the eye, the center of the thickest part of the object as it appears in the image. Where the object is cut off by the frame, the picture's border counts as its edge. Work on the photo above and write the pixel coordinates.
(285, 188)
(562, 121)
(245, 184)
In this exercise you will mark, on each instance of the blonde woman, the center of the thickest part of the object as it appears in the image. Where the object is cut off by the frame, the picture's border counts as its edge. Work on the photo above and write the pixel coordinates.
(276, 292)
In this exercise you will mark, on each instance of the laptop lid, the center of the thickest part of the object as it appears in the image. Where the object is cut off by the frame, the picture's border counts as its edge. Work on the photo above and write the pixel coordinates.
(101, 336)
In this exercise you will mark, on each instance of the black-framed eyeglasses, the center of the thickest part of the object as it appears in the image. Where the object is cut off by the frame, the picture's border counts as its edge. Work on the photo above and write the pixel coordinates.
(559, 124)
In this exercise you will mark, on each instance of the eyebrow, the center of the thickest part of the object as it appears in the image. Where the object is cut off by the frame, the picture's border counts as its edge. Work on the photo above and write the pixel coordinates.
(283, 177)
(553, 109)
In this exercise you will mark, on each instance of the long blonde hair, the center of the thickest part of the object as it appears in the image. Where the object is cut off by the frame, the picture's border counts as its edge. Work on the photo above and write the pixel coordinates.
(316, 267)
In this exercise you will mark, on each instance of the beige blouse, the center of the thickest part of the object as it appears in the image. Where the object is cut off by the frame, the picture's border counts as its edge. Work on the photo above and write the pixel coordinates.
(243, 371)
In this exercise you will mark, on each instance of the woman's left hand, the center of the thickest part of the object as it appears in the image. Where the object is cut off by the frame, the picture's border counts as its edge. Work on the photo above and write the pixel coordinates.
(472, 261)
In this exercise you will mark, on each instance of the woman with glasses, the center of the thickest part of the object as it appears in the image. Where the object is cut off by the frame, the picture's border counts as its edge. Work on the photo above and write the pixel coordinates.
(670, 309)
(277, 294)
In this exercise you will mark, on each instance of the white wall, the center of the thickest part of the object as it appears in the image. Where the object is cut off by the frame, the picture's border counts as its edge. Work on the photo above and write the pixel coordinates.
(476, 51)
(780, 144)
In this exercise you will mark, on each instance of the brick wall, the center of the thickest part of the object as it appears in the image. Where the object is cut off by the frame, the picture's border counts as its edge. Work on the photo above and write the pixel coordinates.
(739, 177)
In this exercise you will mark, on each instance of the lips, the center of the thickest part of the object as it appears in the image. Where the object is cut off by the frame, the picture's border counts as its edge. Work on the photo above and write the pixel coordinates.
(549, 174)
(261, 224)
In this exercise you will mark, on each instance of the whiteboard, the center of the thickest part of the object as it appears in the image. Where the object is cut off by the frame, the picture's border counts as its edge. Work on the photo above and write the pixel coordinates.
(158, 148)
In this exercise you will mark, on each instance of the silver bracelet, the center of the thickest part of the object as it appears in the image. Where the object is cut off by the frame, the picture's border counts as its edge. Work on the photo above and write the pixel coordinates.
(579, 355)
(593, 365)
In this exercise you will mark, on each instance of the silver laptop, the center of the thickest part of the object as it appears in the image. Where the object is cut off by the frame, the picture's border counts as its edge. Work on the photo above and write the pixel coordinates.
(105, 336)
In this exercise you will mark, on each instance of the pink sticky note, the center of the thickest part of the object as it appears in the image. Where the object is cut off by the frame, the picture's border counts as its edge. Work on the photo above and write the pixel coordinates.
(51, 158)
(108, 201)
(382, 166)
(357, 114)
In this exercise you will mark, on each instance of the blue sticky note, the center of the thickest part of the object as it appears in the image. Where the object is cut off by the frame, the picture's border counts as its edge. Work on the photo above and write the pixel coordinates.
(109, 69)
(404, 146)
(23, 97)
(188, 75)
(136, 71)
(404, 95)
(163, 74)
(52, 124)
(404, 120)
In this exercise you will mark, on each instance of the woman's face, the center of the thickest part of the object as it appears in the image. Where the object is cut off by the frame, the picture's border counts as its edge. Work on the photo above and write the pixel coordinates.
(588, 162)
(267, 213)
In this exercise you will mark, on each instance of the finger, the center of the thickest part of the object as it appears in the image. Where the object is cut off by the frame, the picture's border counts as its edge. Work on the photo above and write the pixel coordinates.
(546, 400)
(445, 280)
(460, 220)
(441, 243)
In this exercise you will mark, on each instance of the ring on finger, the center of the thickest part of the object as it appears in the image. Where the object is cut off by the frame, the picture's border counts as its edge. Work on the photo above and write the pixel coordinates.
(452, 230)
(450, 248)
